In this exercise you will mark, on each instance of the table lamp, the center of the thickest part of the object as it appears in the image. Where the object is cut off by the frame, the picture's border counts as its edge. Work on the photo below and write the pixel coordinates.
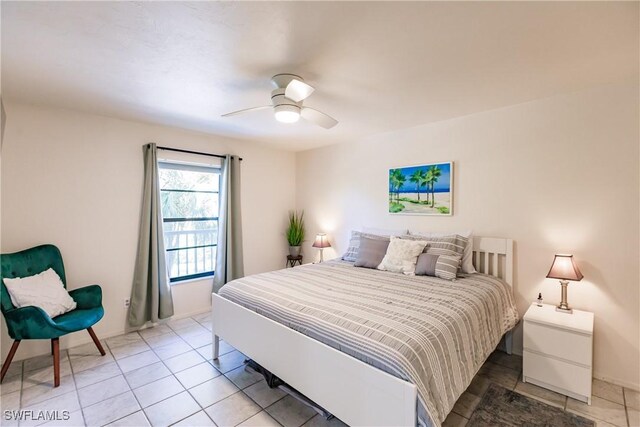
(321, 242)
(565, 269)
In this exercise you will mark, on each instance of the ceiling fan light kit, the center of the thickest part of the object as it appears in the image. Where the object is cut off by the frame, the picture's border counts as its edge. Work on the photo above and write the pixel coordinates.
(287, 102)
(287, 113)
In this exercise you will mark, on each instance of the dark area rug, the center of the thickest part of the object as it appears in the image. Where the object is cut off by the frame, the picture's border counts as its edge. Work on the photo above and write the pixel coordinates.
(502, 407)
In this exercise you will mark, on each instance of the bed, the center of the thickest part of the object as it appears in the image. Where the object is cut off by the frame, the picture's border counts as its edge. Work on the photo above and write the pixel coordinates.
(372, 347)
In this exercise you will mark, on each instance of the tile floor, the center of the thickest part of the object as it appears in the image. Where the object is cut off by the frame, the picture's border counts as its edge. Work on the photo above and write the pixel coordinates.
(165, 376)
(611, 405)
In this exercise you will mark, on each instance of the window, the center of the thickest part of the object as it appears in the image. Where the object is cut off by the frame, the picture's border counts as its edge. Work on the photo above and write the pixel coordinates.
(189, 197)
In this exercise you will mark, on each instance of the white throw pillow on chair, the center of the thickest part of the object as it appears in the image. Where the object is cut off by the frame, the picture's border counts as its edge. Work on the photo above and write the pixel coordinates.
(44, 290)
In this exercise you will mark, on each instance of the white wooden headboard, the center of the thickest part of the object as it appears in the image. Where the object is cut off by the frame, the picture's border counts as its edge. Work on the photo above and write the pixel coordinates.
(494, 256)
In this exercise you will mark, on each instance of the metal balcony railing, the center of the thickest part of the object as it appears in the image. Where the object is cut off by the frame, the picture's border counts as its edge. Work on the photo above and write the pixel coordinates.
(190, 253)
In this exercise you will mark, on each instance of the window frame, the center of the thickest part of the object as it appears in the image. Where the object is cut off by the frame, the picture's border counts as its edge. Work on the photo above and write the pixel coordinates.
(180, 166)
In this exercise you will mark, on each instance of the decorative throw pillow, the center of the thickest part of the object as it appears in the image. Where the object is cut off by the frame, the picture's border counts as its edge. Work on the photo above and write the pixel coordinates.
(467, 258)
(354, 244)
(371, 252)
(445, 245)
(402, 255)
(44, 290)
(442, 266)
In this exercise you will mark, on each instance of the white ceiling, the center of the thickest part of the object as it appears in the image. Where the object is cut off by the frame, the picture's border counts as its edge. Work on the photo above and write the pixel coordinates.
(376, 66)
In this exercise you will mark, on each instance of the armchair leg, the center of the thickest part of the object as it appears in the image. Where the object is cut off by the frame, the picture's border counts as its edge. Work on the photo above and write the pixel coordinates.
(96, 341)
(55, 343)
(9, 358)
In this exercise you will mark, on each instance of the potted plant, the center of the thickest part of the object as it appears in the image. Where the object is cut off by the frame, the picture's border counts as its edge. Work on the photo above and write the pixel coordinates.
(295, 232)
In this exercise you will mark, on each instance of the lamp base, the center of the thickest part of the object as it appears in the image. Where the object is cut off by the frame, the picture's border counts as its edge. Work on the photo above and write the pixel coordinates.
(563, 307)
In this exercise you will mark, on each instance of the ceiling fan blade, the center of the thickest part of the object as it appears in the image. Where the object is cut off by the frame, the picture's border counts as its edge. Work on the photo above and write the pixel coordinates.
(318, 117)
(246, 110)
(298, 90)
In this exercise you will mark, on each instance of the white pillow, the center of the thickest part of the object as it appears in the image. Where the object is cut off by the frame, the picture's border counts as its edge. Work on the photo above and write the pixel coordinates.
(402, 255)
(44, 290)
(384, 231)
(467, 256)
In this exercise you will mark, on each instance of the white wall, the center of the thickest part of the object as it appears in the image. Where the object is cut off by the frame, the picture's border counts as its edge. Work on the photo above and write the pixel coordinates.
(75, 180)
(556, 175)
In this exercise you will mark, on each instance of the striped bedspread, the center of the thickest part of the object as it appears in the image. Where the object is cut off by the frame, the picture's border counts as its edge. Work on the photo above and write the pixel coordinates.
(431, 332)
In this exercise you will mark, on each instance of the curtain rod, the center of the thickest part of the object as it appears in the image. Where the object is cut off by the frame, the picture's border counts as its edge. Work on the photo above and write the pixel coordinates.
(194, 152)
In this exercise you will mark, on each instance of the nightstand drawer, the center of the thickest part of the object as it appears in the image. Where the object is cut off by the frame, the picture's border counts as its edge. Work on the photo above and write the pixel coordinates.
(562, 376)
(560, 343)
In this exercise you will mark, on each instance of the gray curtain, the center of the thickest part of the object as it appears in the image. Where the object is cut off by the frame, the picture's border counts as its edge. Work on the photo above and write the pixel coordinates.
(151, 294)
(3, 118)
(229, 262)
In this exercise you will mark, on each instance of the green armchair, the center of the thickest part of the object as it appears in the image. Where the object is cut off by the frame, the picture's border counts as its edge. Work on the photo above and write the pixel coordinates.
(29, 323)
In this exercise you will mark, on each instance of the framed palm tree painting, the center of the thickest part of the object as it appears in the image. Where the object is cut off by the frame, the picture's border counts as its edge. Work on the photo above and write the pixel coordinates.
(421, 190)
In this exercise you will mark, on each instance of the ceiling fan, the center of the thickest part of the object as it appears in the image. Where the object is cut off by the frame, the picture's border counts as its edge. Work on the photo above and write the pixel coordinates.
(287, 102)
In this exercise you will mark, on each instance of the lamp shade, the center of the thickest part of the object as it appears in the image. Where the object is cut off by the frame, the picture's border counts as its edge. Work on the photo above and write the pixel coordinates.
(564, 268)
(321, 241)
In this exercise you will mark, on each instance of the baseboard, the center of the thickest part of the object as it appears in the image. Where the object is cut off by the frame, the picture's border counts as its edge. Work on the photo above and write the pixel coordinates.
(103, 336)
(599, 376)
(76, 343)
(162, 322)
(622, 383)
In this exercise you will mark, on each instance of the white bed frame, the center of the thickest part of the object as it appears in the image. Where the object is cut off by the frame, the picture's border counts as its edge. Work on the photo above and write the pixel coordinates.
(356, 393)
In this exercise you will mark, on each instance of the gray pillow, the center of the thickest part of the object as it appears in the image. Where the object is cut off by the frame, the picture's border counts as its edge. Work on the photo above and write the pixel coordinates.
(426, 265)
(442, 266)
(354, 244)
(442, 245)
(371, 252)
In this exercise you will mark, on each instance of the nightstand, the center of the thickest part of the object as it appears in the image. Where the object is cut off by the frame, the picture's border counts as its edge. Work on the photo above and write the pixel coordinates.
(558, 351)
